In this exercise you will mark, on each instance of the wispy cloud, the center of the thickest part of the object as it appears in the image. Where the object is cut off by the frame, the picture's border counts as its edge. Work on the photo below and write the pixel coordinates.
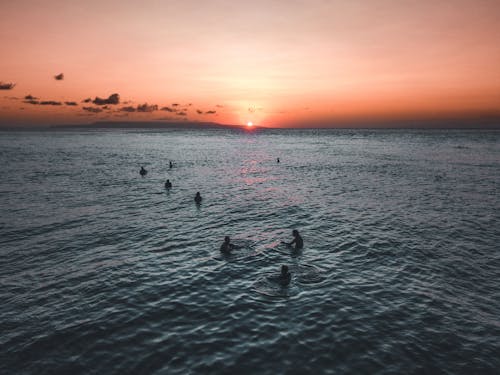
(7, 86)
(30, 97)
(88, 100)
(92, 109)
(210, 112)
(127, 109)
(199, 111)
(32, 101)
(168, 109)
(181, 113)
(147, 108)
(50, 102)
(112, 99)
(59, 77)
(71, 103)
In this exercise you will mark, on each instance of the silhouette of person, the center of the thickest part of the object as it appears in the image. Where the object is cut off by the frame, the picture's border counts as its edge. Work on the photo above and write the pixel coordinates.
(198, 198)
(227, 246)
(168, 184)
(297, 240)
(170, 164)
(285, 276)
(277, 160)
(143, 171)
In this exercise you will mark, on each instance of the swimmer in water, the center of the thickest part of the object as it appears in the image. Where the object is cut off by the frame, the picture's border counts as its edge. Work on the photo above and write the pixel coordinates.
(143, 171)
(297, 240)
(285, 276)
(277, 160)
(170, 164)
(227, 246)
(198, 198)
(168, 184)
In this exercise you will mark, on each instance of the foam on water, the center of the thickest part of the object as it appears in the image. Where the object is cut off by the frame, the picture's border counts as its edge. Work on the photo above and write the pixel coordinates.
(104, 271)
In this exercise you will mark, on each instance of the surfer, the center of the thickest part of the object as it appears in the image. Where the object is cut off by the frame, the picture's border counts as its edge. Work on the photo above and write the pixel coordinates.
(168, 184)
(297, 240)
(198, 198)
(227, 246)
(143, 171)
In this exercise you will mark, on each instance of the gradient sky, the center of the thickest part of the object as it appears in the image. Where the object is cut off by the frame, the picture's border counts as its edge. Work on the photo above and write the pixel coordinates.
(275, 63)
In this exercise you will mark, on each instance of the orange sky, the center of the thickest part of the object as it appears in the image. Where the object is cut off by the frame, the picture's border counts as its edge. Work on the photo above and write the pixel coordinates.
(275, 63)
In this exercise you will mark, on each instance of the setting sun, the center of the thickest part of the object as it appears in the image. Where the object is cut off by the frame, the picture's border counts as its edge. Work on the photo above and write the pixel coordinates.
(249, 123)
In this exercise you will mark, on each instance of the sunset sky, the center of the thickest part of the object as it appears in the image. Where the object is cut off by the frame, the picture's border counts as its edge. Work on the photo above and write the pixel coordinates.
(275, 63)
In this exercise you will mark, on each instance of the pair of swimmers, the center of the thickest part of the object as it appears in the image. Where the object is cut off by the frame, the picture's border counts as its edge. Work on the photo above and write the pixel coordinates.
(285, 276)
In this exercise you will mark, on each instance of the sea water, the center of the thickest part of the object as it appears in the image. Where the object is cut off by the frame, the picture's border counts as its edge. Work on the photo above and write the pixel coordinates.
(103, 271)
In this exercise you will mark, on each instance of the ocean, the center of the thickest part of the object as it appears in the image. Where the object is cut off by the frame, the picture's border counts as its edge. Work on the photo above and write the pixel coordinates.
(103, 271)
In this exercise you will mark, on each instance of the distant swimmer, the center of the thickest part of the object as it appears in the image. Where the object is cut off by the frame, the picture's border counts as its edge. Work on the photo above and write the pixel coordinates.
(227, 246)
(143, 171)
(198, 198)
(170, 164)
(297, 240)
(168, 184)
(283, 278)
(277, 160)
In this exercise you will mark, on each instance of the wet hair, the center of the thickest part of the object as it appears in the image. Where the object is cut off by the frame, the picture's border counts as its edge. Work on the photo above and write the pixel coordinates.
(295, 232)
(284, 269)
(227, 239)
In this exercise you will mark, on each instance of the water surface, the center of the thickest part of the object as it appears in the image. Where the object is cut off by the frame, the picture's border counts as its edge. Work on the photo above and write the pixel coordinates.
(105, 272)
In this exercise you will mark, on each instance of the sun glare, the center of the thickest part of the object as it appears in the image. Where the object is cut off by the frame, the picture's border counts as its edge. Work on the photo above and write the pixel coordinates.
(249, 123)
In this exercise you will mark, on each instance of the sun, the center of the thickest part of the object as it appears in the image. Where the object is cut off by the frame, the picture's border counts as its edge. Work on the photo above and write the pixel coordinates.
(249, 124)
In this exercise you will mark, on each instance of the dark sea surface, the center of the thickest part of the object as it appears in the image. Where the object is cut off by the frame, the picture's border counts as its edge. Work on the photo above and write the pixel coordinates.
(103, 271)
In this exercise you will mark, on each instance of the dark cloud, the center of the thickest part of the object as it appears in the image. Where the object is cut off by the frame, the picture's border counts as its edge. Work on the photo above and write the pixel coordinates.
(181, 113)
(59, 77)
(147, 108)
(175, 104)
(127, 109)
(168, 109)
(88, 100)
(34, 102)
(198, 111)
(30, 97)
(92, 109)
(50, 102)
(210, 112)
(71, 103)
(7, 86)
(112, 99)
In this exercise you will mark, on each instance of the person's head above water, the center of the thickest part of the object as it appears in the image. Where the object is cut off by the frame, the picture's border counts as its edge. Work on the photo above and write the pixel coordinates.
(227, 239)
(295, 232)
(284, 270)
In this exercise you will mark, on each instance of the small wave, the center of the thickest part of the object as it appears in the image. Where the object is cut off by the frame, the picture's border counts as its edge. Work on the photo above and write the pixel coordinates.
(266, 286)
